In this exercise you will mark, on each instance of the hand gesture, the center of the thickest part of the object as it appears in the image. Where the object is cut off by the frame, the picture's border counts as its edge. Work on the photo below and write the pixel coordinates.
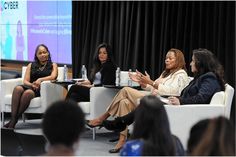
(145, 79)
(134, 77)
(174, 100)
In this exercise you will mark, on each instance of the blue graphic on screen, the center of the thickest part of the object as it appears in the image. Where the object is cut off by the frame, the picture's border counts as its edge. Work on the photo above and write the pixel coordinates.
(25, 24)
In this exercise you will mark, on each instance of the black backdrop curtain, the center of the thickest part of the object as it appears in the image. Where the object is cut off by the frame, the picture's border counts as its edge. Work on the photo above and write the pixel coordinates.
(141, 32)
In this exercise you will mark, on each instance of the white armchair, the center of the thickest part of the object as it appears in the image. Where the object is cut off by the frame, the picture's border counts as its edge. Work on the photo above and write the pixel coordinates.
(183, 117)
(100, 98)
(50, 92)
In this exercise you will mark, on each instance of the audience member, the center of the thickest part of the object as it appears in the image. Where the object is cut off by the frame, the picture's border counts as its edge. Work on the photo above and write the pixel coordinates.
(40, 70)
(212, 137)
(102, 73)
(151, 135)
(172, 80)
(208, 79)
(62, 125)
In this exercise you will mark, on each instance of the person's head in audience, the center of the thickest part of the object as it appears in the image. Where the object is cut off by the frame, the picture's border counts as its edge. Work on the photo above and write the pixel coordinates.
(42, 54)
(63, 122)
(152, 125)
(212, 137)
(102, 55)
(204, 61)
(174, 61)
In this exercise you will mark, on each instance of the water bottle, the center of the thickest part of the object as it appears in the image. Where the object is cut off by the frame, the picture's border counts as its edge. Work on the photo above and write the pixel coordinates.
(65, 73)
(84, 72)
(129, 80)
(118, 76)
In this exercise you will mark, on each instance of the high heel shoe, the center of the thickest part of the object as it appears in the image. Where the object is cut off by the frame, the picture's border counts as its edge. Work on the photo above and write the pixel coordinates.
(116, 125)
(115, 150)
(93, 126)
(10, 125)
(7, 125)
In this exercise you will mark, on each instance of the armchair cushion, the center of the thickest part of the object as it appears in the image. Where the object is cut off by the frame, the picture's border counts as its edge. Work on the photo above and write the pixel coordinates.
(218, 98)
(85, 106)
(100, 98)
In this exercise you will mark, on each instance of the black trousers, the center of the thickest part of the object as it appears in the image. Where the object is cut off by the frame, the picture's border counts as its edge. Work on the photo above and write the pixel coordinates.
(78, 93)
(129, 118)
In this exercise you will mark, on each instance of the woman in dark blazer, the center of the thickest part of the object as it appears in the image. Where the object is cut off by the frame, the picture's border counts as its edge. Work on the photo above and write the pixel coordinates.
(102, 73)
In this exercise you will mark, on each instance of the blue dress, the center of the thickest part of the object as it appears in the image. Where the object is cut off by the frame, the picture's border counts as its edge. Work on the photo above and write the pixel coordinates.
(132, 148)
(135, 147)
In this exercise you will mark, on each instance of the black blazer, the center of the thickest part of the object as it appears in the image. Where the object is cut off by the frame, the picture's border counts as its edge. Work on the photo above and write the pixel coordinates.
(200, 90)
(108, 74)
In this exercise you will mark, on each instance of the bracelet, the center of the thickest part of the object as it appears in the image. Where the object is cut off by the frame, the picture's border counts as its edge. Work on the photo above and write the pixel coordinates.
(154, 83)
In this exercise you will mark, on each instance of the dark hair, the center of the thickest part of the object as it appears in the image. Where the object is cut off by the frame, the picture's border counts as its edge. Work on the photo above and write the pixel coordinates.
(180, 62)
(35, 54)
(205, 61)
(96, 62)
(196, 133)
(217, 139)
(63, 122)
(152, 125)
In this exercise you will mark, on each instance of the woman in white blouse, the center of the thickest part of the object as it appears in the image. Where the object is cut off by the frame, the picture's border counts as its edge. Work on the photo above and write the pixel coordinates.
(172, 80)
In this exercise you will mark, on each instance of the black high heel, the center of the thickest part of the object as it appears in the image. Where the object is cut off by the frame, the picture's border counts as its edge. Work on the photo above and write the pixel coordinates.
(93, 126)
(116, 125)
(115, 150)
(10, 125)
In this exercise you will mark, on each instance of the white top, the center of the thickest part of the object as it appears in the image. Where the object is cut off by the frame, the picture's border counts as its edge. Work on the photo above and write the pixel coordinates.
(172, 84)
(98, 78)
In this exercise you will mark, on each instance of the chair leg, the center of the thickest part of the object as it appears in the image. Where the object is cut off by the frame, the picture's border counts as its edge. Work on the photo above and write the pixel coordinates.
(94, 133)
(3, 120)
(23, 117)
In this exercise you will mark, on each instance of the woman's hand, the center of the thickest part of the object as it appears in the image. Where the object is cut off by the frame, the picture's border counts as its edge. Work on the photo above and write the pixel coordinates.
(154, 92)
(35, 86)
(86, 83)
(37, 82)
(145, 79)
(134, 76)
(174, 100)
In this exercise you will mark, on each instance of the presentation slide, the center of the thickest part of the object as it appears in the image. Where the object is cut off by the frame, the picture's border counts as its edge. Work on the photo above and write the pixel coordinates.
(27, 23)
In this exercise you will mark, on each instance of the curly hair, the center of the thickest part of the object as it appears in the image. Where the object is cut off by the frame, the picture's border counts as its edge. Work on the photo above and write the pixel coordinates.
(207, 62)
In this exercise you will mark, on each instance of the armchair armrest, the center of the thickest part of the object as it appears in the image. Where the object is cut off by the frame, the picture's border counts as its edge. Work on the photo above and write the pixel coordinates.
(100, 98)
(50, 92)
(183, 117)
(7, 87)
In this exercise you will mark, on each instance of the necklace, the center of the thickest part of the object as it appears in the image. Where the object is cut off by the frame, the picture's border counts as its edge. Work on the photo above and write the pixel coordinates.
(42, 67)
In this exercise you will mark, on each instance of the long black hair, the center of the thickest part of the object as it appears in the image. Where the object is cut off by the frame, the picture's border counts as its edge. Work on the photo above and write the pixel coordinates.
(205, 62)
(96, 62)
(152, 126)
(35, 54)
(217, 138)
